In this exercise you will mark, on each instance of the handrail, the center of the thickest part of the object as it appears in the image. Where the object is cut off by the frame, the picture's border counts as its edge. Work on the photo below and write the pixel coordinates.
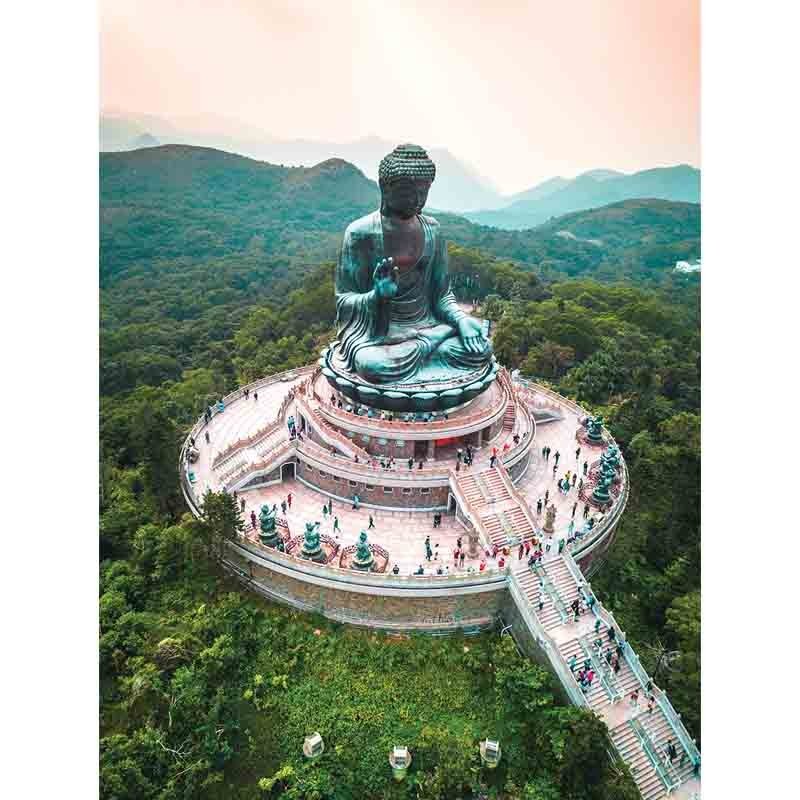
(467, 508)
(351, 577)
(652, 755)
(395, 425)
(518, 498)
(676, 723)
(607, 677)
(562, 671)
(313, 451)
(551, 590)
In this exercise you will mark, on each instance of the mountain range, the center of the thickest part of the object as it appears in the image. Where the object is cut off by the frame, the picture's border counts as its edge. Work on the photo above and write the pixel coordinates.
(591, 190)
(458, 188)
(171, 204)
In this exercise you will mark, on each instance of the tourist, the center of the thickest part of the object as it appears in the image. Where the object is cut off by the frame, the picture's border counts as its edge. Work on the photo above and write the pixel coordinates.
(585, 510)
(506, 448)
(372, 523)
(461, 559)
(542, 598)
(572, 663)
(439, 570)
(527, 548)
(191, 439)
(539, 506)
(521, 551)
(580, 485)
(501, 563)
(672, 753)
(556, 457)
(333, 399)
(289, 499)
(590, 677)
(620, 648)
(324, 511)
(255, 396)
(544, 451)
(458, 466)
(494, 451)
(555, 467)
(575, 605)
(459, 455)
(516, 439)
(455, 556)
(355, 458)
(411, 463)
(420, 570)
(420, 465)
(396, 569)
(428, 551)
(242, 504)
(562, 543)
(651, 702)
(532, 561)
(547, 455)
(482, 565)
(578, 454)
(253, 519)
(208, 438)
(458, 541)
(492, 460)
(609, 657)
(574, 479)
(585, 467)
(283, 507)
(612, 634)
(356, 502)
(546, 497)
(617, 666)
(336, 525)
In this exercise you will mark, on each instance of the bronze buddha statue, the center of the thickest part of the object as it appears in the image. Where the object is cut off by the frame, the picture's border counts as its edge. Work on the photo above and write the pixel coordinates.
(401, 333)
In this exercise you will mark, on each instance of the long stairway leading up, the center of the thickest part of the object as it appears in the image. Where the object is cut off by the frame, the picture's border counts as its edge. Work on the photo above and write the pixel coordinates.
(641, 737)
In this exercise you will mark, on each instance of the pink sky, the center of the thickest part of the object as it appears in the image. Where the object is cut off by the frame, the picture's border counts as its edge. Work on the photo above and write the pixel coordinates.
(521, 90)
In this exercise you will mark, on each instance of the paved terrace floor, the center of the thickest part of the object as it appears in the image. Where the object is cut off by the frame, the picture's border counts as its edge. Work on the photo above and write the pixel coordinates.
(401, 533)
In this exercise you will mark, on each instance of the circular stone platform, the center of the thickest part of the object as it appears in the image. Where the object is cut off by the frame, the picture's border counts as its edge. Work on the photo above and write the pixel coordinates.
(407, 475)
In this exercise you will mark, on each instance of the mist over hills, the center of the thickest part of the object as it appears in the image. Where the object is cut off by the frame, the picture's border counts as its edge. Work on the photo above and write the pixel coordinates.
(591, 190)
(459, 187)
(160, 205)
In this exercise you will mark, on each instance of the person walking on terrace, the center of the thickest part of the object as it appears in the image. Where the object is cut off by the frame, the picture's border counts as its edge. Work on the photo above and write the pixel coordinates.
(289, 500)
(585, 467)
(336, 525)
(283, 507)
(372, 524)
(428, 551)
(556, 457)
(546, 497)
(253, 519)
(578, 454)
(461, 556)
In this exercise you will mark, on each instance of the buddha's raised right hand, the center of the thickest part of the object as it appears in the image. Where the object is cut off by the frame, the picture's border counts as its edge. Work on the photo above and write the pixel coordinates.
(383, 280)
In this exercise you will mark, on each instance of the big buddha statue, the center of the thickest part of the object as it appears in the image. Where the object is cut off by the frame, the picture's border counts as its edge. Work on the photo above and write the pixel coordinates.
(403, 343)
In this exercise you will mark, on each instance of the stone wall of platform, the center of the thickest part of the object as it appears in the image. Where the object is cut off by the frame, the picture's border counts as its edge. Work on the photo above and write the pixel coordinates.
(447, 612)
(421, 497)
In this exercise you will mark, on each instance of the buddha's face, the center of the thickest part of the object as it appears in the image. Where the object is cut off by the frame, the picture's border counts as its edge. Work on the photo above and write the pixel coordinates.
(405, 197)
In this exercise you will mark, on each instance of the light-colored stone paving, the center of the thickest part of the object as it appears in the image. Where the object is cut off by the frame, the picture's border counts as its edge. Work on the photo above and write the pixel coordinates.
(401, 533)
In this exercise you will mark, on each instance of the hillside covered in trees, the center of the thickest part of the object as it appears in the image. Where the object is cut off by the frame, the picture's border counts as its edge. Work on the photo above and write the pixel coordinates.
(206, 690)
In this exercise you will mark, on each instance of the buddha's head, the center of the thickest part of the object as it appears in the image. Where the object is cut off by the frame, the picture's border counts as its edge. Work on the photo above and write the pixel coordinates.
(405, 177)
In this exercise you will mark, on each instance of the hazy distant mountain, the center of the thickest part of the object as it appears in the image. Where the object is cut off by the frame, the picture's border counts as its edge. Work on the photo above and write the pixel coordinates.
(591, 190)
(174, 206)
(458, 186)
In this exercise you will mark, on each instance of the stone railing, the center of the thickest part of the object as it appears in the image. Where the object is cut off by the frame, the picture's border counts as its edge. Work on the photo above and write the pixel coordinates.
(350, 577)
(634, 662)
(343, 465)
(547, 645)
(517, 497)
(328, 432)
(267, 462)
(420, 429)
(467, 509)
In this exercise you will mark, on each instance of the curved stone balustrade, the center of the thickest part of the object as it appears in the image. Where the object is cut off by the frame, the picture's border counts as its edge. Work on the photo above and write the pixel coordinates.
(455, 425)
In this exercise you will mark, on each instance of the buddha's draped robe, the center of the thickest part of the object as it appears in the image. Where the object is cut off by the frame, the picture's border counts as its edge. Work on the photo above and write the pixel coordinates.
(411, 337)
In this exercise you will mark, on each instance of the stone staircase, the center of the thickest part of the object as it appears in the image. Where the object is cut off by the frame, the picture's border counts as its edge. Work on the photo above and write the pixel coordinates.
(509, 417)
(642, 743)
(639, 736)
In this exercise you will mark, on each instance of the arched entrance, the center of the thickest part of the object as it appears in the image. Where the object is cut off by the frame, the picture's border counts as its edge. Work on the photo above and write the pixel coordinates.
(288, 470)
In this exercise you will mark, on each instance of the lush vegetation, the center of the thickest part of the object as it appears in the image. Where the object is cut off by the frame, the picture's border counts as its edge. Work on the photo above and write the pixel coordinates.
(207, 690)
